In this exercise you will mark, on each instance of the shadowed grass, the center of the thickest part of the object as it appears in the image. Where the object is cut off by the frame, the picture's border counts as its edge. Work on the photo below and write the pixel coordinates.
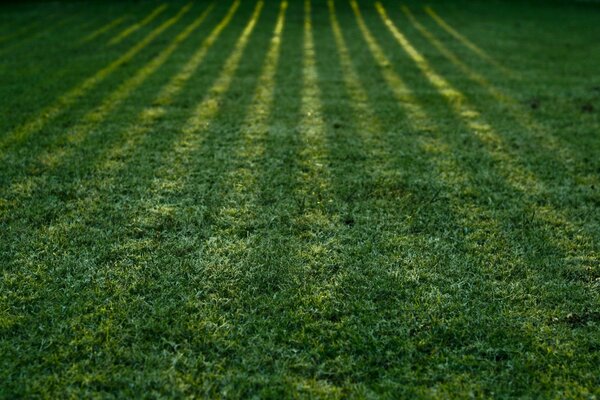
(9, 50)
(307, 199)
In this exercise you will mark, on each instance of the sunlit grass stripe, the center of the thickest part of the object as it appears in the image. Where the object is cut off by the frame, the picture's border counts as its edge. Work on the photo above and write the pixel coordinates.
(108, 166)
(103, 29)
(473, 75)
(526, 180)
(401, 91)
(148, 117)
(543, 139)
(63, 102)
(260, 109)
(175, 165)
(114, 159)
(518, 177)
(313, 183)
(138, 25)
(453, 177)
(466, 42)
(255, 125)
(369, 126)
(142, 182)
(53, 158)
(315, 180)
(447, 170)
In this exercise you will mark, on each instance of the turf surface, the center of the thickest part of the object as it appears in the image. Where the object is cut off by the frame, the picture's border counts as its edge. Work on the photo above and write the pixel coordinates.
(331, 200)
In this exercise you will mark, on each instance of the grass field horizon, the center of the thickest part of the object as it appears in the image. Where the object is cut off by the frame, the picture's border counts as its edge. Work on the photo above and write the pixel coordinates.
(300, 199)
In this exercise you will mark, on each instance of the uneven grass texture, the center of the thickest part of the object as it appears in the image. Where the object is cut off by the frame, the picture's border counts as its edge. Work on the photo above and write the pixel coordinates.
(343, 199)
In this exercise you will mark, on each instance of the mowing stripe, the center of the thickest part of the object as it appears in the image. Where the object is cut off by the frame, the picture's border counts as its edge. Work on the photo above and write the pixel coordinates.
(102, 30)
(465, 42)
(518, 177)
(39, 121)
(138, 25)
(54, 158)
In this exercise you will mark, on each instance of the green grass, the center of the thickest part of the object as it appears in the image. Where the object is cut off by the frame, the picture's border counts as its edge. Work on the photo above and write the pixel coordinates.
(245, 202)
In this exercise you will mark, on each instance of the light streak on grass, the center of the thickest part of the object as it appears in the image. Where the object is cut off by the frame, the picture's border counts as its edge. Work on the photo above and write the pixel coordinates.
(448, 171)
(241, 204)
(54, 158)
(103, 29)
(148, 117)
(523, 179)
(402, 93)
(369, 128)
(63, 102)
(172, 158)
(315, 178)
(498, 257)
(171, 176)
(190, 139)
(548, 142)
(255, 125)
(464, 41)
(518, 177)
(225, 286)
(138, 25)
(446, 168)
(126, 88)
(113, 159)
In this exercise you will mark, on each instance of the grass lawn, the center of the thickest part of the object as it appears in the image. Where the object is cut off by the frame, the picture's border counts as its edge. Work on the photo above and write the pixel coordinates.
(346, 199)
